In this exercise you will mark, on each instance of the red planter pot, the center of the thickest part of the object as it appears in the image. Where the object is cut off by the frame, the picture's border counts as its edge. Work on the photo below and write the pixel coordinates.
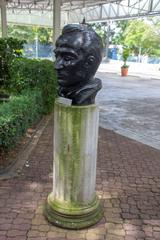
(124, 71)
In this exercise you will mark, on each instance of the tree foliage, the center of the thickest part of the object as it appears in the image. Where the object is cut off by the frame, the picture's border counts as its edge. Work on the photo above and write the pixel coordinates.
(10, 48)
(30, 33)
(142, 36)
(120, 27)
(100, 29)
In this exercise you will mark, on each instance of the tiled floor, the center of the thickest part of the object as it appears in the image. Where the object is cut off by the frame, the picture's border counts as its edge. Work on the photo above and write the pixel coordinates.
(128, 183)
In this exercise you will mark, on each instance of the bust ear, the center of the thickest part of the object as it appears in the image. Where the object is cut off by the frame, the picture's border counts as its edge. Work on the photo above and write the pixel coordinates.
(90, 60)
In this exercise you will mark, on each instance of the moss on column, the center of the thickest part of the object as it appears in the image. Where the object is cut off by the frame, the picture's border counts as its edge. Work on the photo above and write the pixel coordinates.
(73, 202)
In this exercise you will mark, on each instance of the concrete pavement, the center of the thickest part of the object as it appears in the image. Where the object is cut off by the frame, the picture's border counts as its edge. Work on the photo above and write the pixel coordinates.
(131, 106)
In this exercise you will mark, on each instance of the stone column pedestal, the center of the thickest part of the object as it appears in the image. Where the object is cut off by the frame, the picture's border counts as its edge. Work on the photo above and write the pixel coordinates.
(73, 202)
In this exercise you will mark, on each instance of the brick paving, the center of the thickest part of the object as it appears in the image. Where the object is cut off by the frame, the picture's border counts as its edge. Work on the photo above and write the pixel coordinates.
(128, 183)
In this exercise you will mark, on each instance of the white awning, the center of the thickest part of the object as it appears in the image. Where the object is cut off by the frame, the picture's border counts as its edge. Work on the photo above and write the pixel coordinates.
(40, 12)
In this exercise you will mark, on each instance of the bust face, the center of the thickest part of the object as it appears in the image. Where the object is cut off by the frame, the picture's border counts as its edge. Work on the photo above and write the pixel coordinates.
(72, 61)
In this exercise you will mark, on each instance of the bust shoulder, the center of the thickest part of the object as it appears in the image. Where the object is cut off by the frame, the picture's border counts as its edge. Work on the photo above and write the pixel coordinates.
(84, 95)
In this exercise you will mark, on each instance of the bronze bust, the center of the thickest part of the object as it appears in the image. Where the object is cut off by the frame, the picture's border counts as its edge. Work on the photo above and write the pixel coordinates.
(78, 54)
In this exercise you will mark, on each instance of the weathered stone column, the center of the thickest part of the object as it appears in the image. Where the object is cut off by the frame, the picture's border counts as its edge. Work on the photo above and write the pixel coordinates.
(73, 202)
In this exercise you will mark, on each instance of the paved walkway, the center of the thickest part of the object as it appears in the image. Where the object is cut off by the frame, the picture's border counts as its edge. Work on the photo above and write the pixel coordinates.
(128, 183)
(143, 70)
(131, 106)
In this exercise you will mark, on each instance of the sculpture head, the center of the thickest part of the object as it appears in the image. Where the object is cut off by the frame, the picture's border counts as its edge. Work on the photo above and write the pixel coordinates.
(78, 54)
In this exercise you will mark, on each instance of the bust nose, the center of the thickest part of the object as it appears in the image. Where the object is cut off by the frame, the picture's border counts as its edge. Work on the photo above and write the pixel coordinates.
(58, 64)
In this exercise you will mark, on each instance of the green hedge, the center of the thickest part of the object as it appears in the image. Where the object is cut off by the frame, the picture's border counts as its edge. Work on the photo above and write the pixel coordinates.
(31, 73)
(33, 88)
(17, 115)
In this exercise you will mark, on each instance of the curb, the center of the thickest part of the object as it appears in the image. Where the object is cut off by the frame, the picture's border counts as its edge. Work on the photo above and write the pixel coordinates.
(22, 157)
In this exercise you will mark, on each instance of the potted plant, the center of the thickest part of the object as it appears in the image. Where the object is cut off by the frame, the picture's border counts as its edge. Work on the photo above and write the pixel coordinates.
(125, 55)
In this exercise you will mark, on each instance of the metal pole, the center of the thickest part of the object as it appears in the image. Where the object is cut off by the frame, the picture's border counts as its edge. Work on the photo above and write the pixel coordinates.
(3, 18)
(56, 19)
(36, 42)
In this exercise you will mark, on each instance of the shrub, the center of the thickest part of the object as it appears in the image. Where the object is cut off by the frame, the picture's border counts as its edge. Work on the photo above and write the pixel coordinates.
(32, 73)
(10, 48)
(17, 115)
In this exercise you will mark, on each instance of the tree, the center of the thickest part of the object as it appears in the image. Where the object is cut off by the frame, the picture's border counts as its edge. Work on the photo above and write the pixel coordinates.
(20, 32)
(120, 27)
(142, 37)
(10, 48)
(30, 33)
(154, 34)
(100, 29)
(44, 34)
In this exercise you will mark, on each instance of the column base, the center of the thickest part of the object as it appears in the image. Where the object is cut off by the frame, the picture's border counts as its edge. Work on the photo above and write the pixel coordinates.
(69, 216)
